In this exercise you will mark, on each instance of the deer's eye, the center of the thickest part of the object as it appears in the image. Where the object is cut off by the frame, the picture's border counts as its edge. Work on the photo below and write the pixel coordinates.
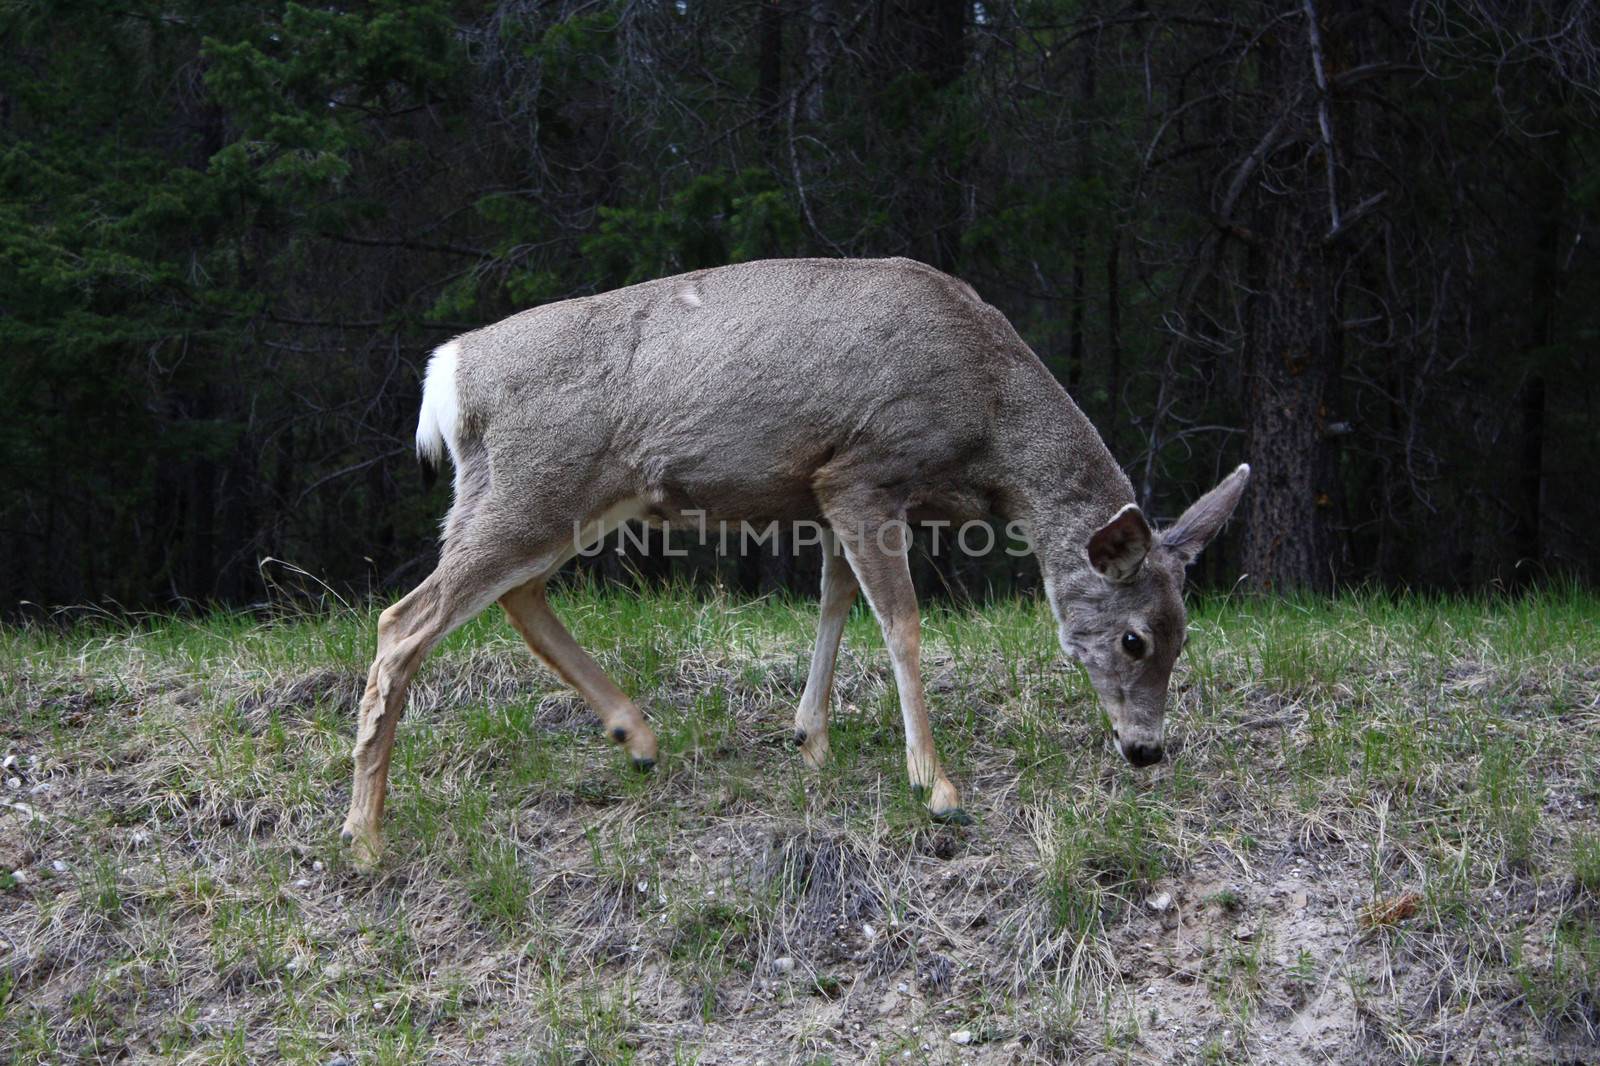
(1133, 644)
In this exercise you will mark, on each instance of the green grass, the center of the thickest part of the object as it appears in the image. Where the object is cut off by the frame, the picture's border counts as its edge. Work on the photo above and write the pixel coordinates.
(1434, 761)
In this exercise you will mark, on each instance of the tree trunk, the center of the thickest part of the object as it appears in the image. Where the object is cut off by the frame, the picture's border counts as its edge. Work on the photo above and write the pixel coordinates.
(1290, 351)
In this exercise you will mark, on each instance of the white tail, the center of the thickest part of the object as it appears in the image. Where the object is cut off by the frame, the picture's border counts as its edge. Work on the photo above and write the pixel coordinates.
(441, 407)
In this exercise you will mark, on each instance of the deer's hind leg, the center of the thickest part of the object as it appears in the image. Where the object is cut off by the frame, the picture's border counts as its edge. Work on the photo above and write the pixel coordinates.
(471, 575)
(529, 611)
(838, 594)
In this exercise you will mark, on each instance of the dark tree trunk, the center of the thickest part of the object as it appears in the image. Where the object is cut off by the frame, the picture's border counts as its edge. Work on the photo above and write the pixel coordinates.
(1529, 477)
(769, 55)
(1293, 341)
(1290, 352)
(1113, 338)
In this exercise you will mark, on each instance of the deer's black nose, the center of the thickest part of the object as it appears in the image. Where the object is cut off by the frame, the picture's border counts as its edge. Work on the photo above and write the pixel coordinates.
(1142, 754)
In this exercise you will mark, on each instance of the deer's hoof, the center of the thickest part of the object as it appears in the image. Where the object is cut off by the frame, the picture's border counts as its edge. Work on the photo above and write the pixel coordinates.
(644, 766)
(944, 802)
(365, 850)
(813, 748)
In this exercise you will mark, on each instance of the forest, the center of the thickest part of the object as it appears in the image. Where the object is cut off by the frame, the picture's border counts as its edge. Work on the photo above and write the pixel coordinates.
(1352, 243)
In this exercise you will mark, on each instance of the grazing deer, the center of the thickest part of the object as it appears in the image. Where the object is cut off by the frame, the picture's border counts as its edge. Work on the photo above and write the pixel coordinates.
(857, 393)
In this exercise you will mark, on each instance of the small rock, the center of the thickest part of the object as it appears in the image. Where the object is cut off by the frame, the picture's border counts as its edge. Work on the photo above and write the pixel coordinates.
(317, 867)
(1299, 899)
(901, 988)
(1161, 903)
(58, 866)
(139, 838)
(783, 964)
(961, 1036)
(13, 782)
(869, 932)
(42, 786)
(19, 876)
(338, 1060)
(10, 762)
(304, 882)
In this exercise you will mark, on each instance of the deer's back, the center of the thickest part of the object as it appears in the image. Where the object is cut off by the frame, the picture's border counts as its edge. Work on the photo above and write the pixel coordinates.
(731, 390)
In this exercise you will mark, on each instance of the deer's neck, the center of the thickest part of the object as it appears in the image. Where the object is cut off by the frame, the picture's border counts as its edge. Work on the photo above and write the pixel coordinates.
(1063, 481)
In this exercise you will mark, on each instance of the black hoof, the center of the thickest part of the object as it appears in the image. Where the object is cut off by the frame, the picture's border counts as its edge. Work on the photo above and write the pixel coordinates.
(799, 738)
(954, 816)
(644, 766)
(347, 836)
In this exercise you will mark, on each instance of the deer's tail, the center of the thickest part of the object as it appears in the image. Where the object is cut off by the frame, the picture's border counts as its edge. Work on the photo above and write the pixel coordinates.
(440, 418)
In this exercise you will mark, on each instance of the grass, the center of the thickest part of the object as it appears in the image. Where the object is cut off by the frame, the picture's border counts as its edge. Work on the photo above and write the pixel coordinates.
(1377, 833)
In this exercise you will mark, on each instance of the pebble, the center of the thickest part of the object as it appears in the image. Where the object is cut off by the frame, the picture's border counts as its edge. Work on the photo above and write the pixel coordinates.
(58, 866)
(19, 876)
(902, 988)
(10, 762)
(338, 1060)
(13, 782)
(139, 838)
(961, 1036)
(1160, 903)
(869, 932)
(784, 964)
(304, 882)
(317, 867)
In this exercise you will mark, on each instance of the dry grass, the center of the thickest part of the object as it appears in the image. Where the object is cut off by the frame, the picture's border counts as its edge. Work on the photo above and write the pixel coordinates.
(180, 895)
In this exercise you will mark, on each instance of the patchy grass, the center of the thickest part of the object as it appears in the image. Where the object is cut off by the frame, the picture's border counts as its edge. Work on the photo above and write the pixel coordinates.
(1377, 834)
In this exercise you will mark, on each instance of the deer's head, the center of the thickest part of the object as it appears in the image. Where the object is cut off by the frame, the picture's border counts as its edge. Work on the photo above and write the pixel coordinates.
(1122, 616)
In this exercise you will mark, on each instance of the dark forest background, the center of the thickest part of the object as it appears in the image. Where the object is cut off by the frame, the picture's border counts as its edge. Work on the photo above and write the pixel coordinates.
(1353, 243)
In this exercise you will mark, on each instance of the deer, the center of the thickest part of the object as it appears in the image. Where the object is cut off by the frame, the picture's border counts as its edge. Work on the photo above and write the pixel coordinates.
(858, 394)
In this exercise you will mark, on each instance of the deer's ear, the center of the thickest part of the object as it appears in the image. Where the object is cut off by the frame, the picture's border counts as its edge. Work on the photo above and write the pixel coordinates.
(1117, 549)
(1205, 517)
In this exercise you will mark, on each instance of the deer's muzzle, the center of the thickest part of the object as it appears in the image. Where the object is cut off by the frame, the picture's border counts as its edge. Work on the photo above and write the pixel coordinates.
(1142, 754)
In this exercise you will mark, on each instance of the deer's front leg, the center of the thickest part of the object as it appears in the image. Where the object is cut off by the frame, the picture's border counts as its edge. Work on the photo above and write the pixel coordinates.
(877, 552)
(838, 593)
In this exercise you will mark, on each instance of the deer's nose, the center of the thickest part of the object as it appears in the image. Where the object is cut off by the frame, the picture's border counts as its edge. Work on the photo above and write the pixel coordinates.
(1140, 754)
